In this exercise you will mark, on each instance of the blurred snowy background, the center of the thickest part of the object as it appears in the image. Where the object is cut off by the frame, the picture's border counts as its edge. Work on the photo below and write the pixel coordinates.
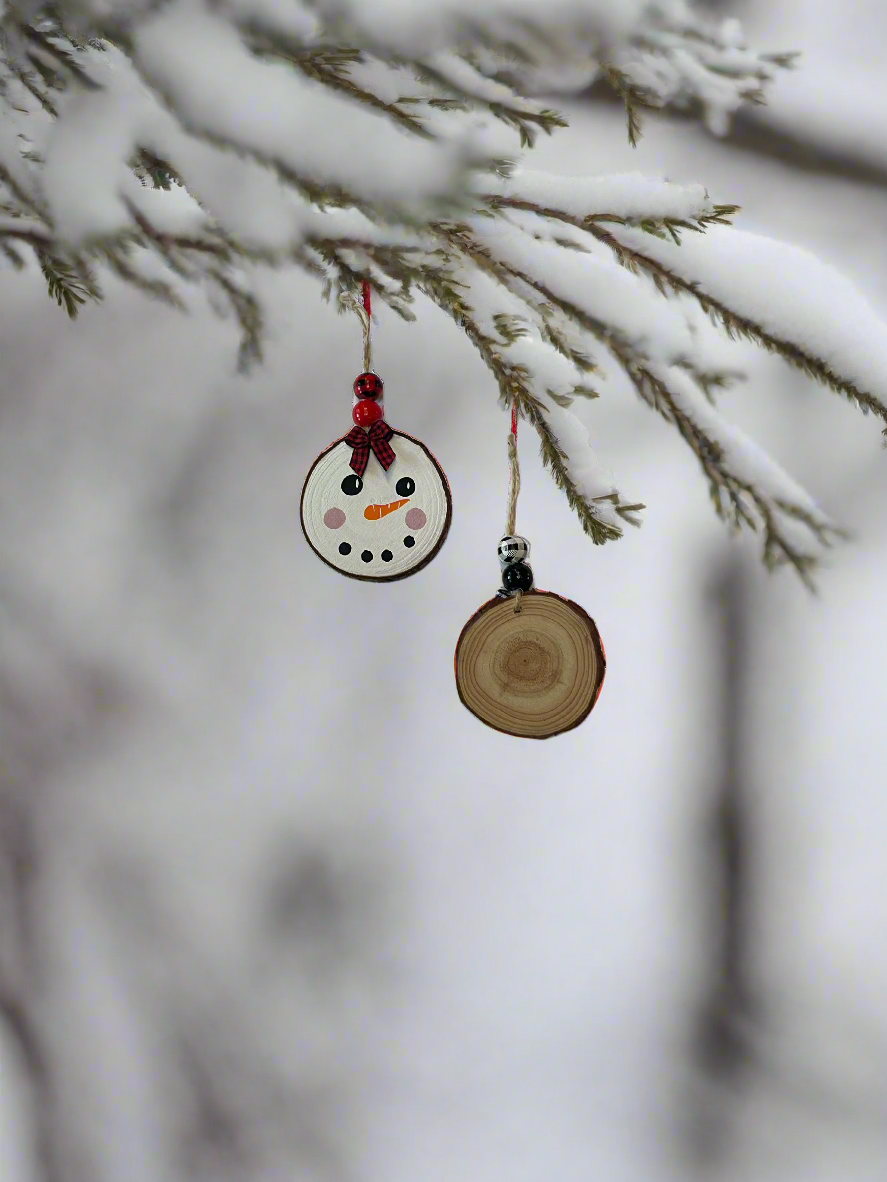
(651, 949)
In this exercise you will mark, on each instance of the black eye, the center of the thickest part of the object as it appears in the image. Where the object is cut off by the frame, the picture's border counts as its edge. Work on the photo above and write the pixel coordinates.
(405, 487)
(352, 485)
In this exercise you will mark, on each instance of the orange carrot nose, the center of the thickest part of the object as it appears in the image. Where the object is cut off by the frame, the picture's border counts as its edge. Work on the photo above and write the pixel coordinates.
(377, 512)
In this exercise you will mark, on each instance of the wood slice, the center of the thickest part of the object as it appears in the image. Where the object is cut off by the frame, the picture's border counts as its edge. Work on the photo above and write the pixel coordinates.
(366, 527)
(533, 673)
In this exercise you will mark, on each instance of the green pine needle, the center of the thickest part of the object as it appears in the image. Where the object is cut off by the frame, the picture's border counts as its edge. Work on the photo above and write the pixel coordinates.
(66, 286)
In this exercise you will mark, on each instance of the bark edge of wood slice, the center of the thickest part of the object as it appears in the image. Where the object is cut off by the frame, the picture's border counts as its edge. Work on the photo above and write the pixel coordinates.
(532, 674)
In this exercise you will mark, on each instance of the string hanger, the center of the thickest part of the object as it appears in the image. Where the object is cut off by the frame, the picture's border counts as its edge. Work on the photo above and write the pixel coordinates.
(367, 327)
(363, 309)
(514, 481)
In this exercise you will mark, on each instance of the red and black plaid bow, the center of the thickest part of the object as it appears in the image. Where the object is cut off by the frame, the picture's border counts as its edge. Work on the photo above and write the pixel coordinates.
(376, 438)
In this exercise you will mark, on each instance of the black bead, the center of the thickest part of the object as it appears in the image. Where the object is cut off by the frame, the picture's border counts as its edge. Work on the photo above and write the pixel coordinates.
(344, 548)
(409, 542)
(387, 555)
(517, 577)
(367, 556)
(352, 485)
(405, 487)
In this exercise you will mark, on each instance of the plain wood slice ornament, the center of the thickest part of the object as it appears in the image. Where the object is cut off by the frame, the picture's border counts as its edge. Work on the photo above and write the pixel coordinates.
(533, 673)
(529, 663)
(376, 504)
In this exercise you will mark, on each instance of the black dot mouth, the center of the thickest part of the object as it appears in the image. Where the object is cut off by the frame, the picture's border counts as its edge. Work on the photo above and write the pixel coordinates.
(344, 548)
(409, 542)
(387, 555)
(367, 556)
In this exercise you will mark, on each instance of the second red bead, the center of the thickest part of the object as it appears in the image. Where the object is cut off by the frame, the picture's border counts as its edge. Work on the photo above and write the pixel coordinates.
(366, 412)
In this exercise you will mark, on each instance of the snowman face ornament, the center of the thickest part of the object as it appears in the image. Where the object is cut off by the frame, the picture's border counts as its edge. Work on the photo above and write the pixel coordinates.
(374, 523)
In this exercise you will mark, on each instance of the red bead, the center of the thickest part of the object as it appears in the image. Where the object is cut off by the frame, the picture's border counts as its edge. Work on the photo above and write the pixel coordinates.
(366, 412)
(368, 385)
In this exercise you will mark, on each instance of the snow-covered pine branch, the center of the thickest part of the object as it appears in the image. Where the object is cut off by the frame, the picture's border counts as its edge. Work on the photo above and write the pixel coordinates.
(189, 143)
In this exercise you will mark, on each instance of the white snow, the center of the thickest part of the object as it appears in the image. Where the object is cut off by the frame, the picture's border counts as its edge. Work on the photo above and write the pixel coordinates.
(220, 89)
(86, 176)
(742, 456)
(170, 211)
(629, 195)
(677, 67)
(199, 86)
(422, 28)
(86, 156)
(13, 163)
(294, 20)
(595, 283)
(594, 481)
(23, 226)
(463, 77)
(787, 291)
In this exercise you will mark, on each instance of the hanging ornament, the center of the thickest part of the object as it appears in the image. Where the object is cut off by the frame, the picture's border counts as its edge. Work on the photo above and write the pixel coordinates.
(528, 662)
(376, 504)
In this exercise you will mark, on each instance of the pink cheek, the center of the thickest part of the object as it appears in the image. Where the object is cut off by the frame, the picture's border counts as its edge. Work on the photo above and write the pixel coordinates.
(415, 519)
(335, 518)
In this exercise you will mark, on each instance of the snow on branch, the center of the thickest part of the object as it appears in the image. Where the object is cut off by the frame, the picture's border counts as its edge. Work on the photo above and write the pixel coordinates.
(747, 487)
(273, 113)
(631, 197)
(384, 140)
(807, 311)
(540, 373)
(675, 62)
